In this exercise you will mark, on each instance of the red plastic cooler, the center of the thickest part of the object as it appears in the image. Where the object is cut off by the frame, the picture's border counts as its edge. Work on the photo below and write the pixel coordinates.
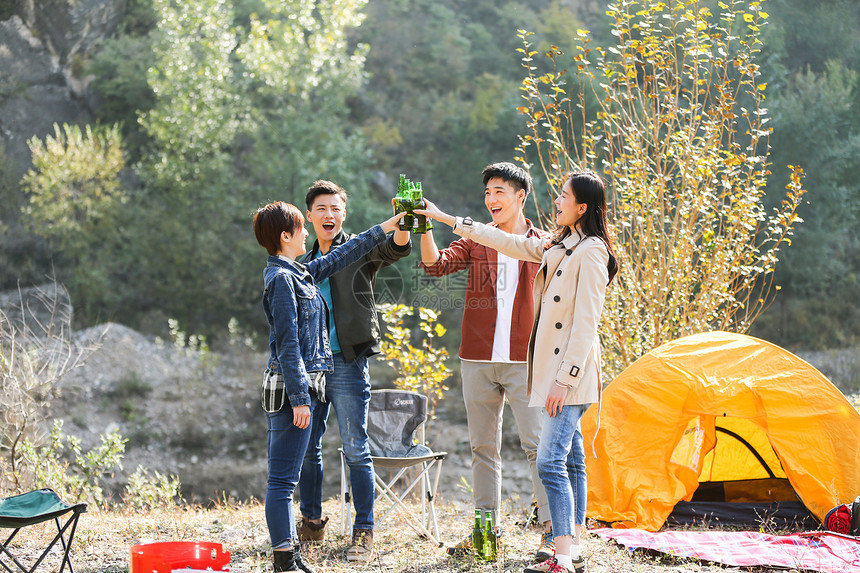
(168, 556)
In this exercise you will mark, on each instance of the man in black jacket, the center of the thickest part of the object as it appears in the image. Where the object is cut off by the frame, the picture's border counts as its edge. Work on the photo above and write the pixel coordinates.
(354, 336)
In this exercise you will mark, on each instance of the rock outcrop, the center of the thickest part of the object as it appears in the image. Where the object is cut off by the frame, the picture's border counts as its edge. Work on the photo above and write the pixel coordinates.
(43, 46)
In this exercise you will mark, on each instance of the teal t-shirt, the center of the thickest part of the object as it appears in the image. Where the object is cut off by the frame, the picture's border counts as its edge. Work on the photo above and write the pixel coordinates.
(325, 290)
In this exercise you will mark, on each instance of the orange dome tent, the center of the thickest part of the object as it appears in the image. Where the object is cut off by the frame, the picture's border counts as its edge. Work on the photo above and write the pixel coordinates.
(719, 415)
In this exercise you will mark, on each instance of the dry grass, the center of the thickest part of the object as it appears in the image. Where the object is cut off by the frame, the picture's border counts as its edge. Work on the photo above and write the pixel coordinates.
(104, 538)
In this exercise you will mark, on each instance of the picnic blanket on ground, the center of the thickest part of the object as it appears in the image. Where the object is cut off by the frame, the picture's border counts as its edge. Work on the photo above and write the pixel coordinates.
(816, 551)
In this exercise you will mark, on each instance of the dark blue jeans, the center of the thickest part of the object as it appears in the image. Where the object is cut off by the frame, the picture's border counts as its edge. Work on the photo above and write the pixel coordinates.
(347, 389)
(286, 448)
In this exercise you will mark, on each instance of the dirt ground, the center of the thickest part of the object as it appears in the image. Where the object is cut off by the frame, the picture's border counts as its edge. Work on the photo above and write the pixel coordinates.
(104, 540)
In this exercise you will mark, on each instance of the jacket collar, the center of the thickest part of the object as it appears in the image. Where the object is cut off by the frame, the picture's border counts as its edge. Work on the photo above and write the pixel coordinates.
(532, 231)
(573, 239)
(275, 260)
(339, 239)
(292, 266)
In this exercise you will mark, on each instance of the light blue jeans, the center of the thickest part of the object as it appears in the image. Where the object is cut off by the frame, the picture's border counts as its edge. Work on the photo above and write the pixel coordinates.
(347, 389)
(561, 466)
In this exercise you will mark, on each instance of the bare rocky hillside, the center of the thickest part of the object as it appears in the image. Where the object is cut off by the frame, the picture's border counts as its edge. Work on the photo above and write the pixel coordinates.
(197, 415)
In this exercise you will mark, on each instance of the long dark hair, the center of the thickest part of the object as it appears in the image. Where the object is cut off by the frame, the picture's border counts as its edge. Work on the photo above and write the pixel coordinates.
(588, 188)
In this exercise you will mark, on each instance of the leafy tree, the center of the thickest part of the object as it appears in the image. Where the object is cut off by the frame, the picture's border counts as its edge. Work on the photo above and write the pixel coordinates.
(120, 70)
(421, 368)
(816, 120)
(681, 139)
(249, 108)
(74, 184)
(439, 102)
(188, 207)
(74, 195)
(299, 70)
(197, 114)
(819, 273)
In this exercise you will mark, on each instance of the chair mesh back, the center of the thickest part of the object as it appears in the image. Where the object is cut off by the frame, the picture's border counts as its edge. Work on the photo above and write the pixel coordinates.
(392, 420)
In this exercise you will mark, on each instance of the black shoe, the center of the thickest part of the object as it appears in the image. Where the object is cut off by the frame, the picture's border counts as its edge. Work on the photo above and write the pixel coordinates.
(290, 560)
(284, 560)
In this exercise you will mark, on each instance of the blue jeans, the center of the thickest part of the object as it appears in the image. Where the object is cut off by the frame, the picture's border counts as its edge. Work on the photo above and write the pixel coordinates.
(348, 390)
(286, 445)
(561, 466)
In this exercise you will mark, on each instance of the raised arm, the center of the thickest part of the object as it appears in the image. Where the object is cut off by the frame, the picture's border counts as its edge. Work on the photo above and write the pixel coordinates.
(351, 251)
(429, 251)
(516, 246)
(394, 248)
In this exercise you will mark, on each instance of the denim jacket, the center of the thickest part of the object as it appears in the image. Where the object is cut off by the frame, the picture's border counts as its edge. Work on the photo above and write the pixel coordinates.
(297, 314)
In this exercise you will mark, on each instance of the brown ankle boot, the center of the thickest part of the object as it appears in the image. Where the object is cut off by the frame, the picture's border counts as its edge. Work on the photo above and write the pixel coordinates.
(310, 532)
(361, 548)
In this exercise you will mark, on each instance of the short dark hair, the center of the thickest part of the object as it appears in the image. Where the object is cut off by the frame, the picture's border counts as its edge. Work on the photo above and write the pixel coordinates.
(323, 187)
(272, 220)
(509, 173)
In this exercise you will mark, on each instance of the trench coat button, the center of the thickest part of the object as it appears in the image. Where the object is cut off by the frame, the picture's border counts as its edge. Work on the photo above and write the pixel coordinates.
(556, 298)
(558, 274)
(558, 325)
(556, 351)
(568, 252)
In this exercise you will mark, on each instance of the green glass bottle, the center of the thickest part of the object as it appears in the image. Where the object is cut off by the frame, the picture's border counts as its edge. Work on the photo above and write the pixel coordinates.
(491, 551)
(423, 225)
(478, 536)
(403, 203)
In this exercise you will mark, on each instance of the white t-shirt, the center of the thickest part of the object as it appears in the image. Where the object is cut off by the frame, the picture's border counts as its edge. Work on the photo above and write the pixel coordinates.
(507, 276)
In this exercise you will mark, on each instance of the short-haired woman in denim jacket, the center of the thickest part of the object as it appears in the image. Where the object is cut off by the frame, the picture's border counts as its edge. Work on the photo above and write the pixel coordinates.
(300, 355)
(577, 265)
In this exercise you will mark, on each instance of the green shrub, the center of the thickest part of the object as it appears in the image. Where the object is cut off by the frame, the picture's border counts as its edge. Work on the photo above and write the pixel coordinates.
(146, 491)
(75, 475)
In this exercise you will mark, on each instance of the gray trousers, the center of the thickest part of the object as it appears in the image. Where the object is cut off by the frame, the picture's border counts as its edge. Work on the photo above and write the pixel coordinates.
(485, 387)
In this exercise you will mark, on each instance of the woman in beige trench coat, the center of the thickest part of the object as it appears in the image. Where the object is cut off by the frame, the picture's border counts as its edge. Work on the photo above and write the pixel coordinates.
(577, 265)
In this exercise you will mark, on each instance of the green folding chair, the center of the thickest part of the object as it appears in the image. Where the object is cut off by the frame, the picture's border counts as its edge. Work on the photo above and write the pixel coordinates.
(20, 511)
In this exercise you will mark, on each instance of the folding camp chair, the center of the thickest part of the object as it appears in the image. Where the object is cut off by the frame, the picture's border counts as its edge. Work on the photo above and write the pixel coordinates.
(20, 511)
(395, 430)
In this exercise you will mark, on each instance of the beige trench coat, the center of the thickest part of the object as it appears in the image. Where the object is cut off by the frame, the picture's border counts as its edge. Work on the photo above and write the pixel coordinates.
(569, 290)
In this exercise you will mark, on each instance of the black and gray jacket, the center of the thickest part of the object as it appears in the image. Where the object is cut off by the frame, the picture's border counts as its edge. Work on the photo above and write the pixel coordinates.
(355, 316)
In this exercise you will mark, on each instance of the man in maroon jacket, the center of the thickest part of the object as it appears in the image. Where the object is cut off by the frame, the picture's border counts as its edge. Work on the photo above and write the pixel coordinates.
(497, 320)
